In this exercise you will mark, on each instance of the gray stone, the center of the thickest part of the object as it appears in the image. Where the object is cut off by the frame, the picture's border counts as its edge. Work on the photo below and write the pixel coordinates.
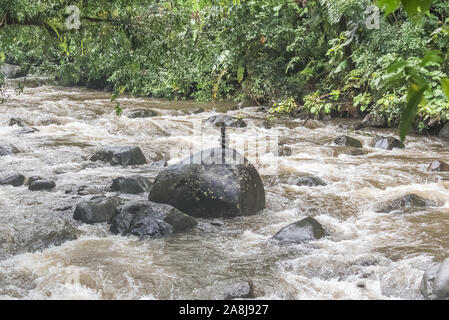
(132, 185)
(409, 202)
(17, 122)
(229, 121)
(101, 209)
(15, 180)
(142, 113)
(120, 156)
(7, 150)
(435, 282)
(203, 186)
(304, 230)
(309, 181)
(348, 141)
(444, 132)
(371, 121)
(387, 143)
(42, 185)
(149, 219)
(437, 165)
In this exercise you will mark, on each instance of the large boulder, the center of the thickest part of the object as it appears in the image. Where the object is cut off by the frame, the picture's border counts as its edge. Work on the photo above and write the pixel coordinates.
(42, 185)
(154, 220)
(228, 121)
(435, 282)
(204, 186)
(133, 185)
(348, 142)
(15, 180)
(387, 143)
(409, 202)
(120, 156)
(444, 132)
(437, 165)
(7, 149)
(303, 230)
(11, 71)
(101, 209)
(142, 113)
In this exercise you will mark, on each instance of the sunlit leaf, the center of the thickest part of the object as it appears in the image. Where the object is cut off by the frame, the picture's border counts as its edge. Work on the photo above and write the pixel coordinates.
(389, 6)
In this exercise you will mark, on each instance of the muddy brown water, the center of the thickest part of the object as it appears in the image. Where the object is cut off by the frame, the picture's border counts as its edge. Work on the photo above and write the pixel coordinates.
(368, 255)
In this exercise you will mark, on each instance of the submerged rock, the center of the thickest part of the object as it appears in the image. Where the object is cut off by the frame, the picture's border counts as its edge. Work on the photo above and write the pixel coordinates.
(306, 229)
(17, 122)
(133, 184)
(101, 209)
(155, 220)
(435, 282)
(348, 142)
(15, 180)
(87, 190)
(387, 143)
(409, 202)
(437, 165)
(229, 121)
(309, 181)
(202, 186)
(7, 149)
(371, 121)
(42, 185)
(31, 179)
(240, 290)
(142, 113)
(27, 130)
(120, 156)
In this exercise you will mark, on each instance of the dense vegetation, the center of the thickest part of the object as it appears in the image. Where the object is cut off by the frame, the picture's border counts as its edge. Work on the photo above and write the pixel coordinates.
(313, 54)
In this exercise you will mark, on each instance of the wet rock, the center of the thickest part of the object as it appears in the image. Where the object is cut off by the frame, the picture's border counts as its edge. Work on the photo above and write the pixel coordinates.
(17, 122)
(202, 186)
(11, 71)
(142, 113)
(348, 142)
(371, 121)
(31, 179)
(7, 150)
(354, 152)
(304, 230)
(387, 143)
(229, 121)
(240, 290)
(437, 165)
(155, 220)
(101, 209)
(444, 132)
(309, 181)
(42, 185)
(435, 282)
(120, 156)
(133, 184)
(27, 130)
(15, 180)
(87, 190)
(409, 202)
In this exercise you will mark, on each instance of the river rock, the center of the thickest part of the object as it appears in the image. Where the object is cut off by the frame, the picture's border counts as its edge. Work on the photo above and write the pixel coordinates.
(304, 230)
(42, 185)
(11, 71)
(15, 180)
(444, 132)
(371, 121)
(409, 202)
(142, 113)
(348, 142)
(203, 187)
(27, 130)
(120, 156)
(17, 122)
(100, 209)
(240, 290)
(309, 181)
(228, 121)
(437, 165)
(387, 143)
(7, 149)
(435, 282)
(133, 184)
(155, 220)
(31, 179)
(88, 190)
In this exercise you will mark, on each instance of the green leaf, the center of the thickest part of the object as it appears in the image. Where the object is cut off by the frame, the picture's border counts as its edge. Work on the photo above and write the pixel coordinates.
(416, 7)
(389, 6)
(445, 85)
(431, 57)
(414, 97)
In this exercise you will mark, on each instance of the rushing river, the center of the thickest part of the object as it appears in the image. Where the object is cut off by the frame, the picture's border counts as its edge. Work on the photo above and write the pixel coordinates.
(368, 255)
